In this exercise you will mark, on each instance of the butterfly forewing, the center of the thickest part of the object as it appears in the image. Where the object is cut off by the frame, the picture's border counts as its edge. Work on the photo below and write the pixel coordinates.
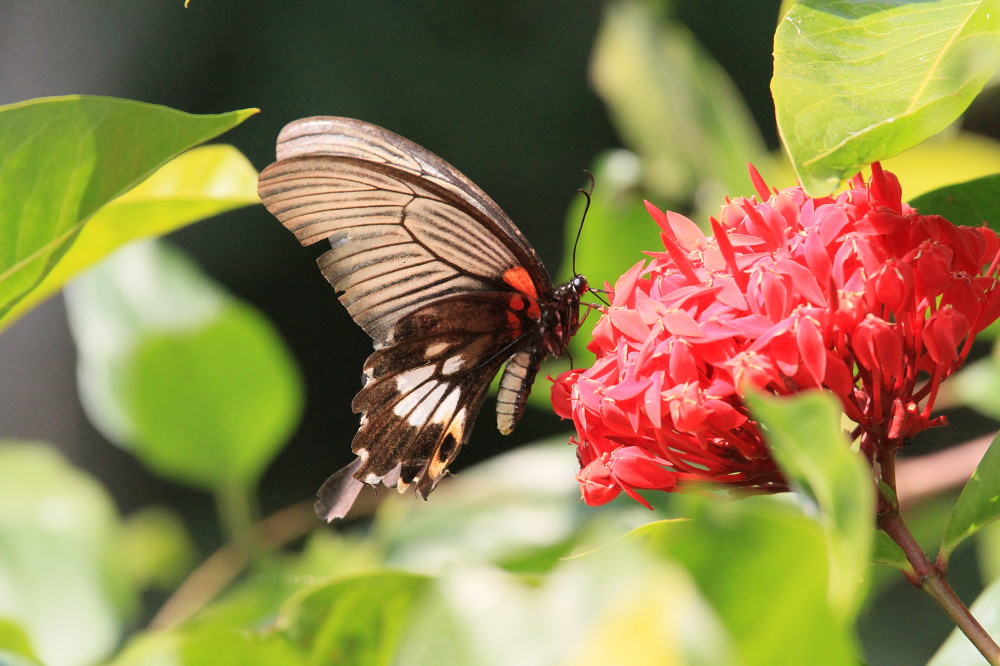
(346, 137)
(440, 278)
(382, 221)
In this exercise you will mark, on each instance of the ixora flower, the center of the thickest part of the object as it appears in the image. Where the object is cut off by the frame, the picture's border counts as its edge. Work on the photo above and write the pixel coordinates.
(856, 293)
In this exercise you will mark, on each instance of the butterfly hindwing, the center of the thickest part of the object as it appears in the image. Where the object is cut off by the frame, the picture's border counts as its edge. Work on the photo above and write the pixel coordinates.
(424, 388)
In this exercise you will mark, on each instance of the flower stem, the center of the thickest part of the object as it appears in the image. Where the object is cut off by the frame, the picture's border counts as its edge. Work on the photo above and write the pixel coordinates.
(931, 580)
(234, 502)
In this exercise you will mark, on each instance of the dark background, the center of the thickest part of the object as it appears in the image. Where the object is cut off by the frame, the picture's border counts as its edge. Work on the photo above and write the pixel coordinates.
(499, 89)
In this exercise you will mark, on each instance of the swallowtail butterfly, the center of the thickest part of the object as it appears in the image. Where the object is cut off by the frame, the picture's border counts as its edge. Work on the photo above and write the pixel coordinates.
(440, 278)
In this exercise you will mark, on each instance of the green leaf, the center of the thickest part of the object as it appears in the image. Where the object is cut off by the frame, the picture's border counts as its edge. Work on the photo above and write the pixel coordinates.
(978, 505)
(988, 551)
(764, 569)
(856, 82)
(517, 509)
(356, 620)
(886, 551)
(200, 183)
(66, 157)
(195, 383)
(208, 646)
(805, 437)
(15, 646)
(978, 384)
(957, 650)
(949, 158)
(971, 203)
(155, 548)
(673, 105)
(58, 568)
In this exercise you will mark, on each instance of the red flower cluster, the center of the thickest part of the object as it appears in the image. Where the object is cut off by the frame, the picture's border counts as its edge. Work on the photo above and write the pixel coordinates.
(855, 293)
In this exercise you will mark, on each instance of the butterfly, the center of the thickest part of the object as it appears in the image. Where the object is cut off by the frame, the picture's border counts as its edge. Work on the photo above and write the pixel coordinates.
(437, 274)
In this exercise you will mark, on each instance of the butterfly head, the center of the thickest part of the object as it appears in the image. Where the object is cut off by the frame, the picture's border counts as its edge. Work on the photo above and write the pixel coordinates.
(561, 319)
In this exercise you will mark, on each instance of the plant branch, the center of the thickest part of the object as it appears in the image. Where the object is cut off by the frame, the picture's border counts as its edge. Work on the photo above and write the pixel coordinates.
(224, 565)
(931, 580)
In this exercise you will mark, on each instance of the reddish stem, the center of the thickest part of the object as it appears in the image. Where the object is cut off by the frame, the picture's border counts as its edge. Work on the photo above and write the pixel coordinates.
(932, 580)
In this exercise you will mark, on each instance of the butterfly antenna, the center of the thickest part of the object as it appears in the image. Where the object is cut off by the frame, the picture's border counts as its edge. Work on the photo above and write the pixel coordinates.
(583, 218)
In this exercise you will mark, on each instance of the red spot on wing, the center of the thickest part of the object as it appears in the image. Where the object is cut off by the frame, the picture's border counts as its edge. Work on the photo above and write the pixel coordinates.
(514, 325)
(518, 278)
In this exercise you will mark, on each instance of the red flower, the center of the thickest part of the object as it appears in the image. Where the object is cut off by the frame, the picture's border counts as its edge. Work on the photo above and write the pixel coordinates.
(856, 293)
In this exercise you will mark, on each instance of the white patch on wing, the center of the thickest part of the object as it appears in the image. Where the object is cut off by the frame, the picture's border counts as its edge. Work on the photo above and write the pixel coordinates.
(411, 379)
(425, 410)
(457, 425)
(412, 400)
(362, 454)
(443, 414)
(453, 365)
(372, 479)
(436, 349)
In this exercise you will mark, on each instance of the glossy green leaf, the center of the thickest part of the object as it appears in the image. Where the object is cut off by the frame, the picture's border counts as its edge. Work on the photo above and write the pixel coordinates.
(978, 505)
(805, 437)
(196, 384)
(972, 203)
(66, 157)
(856, 82)
(957, 650)
(673, 105)
(356, 620)
(58, 572)
(202, 182)
(764, 569)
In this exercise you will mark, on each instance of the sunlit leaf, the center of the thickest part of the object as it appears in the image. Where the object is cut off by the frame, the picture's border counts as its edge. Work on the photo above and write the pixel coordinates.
(513, 509)
(66, 157)
(355, 620)
(57, 556)
(209, 646)
(805, 437)
(763, 567)
(978, 505)
(202, 182)
(15, 646)
(858, 82)
(195, 383)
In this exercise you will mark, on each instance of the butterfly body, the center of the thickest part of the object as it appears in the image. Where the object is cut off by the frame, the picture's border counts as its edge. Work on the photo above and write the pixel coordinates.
(440, 278)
